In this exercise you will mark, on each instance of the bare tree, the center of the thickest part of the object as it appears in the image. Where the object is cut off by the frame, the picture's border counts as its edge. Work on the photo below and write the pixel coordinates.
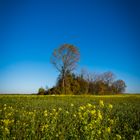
(119, 86)
(65, 59)
(107, 77)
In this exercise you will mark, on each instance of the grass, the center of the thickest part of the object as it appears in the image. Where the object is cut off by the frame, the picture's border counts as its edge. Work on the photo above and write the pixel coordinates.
(70, 117)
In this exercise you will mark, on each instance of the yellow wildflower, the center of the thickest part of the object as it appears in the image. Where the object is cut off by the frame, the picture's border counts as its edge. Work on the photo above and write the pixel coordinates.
(6, 122)
(99, 132)
(111, 121)
(54, 110)
(81, 107)
(60, 109)
(44, 127)
(99, 115)
(101, 103)
(93, 112)
(89, 105)
(108, 129)
(45, 113)
(7, 131)
(72, 105)
(118, 137)
(67, 112)
(110, 106)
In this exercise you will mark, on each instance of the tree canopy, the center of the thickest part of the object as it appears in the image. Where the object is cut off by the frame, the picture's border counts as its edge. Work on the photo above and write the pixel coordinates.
(65, 59)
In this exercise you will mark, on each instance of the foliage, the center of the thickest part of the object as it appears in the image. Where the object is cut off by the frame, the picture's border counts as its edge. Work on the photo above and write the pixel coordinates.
(101, 84)
(119, 86)
(70, 117)
(41, 91)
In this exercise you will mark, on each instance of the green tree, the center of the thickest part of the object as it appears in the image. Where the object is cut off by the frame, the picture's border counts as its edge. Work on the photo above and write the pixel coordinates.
(83, 84)
(41, 91)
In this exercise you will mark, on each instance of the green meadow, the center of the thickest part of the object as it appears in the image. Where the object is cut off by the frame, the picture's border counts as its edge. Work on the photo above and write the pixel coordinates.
(62, 117)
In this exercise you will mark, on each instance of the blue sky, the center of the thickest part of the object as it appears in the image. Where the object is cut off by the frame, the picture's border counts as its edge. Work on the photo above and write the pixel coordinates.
(107, 33)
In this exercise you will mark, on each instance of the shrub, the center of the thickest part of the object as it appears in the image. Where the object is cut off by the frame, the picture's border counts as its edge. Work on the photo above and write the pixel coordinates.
(41, 91)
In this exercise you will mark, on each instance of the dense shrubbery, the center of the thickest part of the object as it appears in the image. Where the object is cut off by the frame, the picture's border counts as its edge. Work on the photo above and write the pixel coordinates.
(94, 84)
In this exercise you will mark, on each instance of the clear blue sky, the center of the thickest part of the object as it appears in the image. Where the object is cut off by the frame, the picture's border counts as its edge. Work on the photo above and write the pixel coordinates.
(107, 32)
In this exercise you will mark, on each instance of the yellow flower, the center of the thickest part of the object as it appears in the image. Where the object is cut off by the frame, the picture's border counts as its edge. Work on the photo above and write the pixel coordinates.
(111, 121)
(67, 112)
(118, 137)
(56, 113)
(81, 107)
(99, 115)
(93, 106)
(108, 129)
(60, 109)
(6, 122)
(30, 113)
(93, 112)
(80, 115)
(72, 105)
(110, 106)
(9, 114)
(101, 103)
(45, 113)
(44, 127)
(89, 105)
(54, 110)
(7, 131)
(99, 132)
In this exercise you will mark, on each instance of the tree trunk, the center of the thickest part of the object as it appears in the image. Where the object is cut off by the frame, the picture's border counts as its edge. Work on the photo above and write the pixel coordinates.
(63, 82)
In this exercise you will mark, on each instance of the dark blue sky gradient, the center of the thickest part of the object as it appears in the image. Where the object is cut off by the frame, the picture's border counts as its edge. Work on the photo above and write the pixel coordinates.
(106, 32)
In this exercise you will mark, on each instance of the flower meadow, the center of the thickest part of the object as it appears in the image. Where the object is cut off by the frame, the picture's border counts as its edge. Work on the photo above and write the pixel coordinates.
(24, 117)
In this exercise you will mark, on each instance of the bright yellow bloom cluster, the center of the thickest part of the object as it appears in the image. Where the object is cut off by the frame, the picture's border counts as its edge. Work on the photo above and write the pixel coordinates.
(101, 103)
(45, 113)
(99, 115)
(118, 137)
(110, 106)
(72, 105)
(108, 129)
(6, 122)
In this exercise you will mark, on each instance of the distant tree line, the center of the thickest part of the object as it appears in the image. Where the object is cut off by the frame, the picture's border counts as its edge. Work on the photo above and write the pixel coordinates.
(92, 84)
(65, 59)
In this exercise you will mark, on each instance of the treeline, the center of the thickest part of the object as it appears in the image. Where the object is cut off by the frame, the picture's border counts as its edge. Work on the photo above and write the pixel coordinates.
(65, 59)
(86, 83)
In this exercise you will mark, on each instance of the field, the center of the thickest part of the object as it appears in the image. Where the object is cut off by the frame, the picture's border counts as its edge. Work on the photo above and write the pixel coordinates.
(69, 117)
